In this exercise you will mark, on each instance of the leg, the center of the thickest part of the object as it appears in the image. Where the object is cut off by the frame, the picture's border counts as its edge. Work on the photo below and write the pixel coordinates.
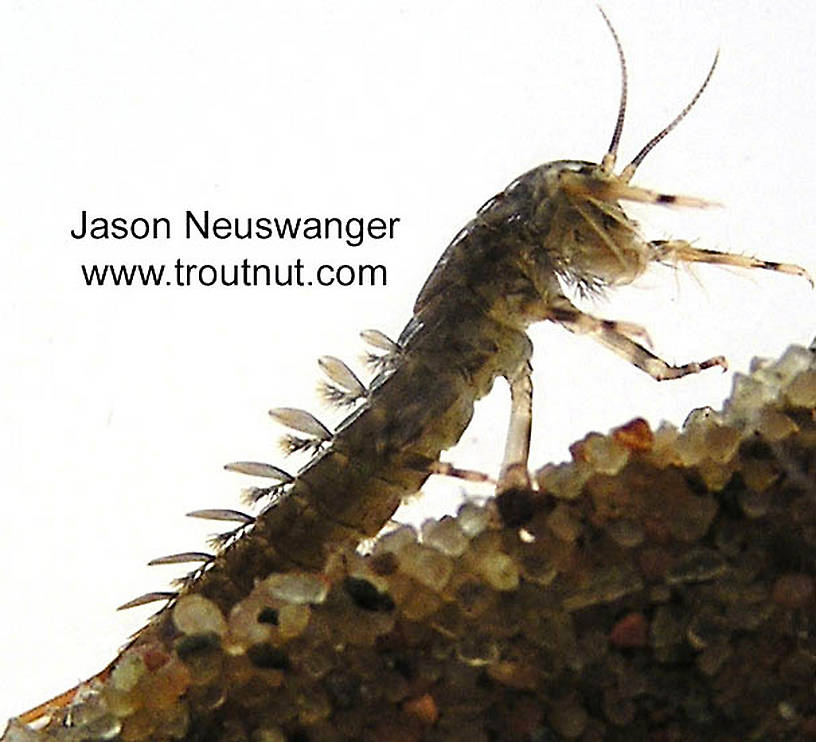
(426, 465)
(610, 334)
(444, 469)
(673, 250)
(564, 312)
(514, 472)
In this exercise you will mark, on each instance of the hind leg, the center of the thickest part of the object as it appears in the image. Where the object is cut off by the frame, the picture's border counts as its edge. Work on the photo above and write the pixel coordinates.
(444, 469)
(514, 473)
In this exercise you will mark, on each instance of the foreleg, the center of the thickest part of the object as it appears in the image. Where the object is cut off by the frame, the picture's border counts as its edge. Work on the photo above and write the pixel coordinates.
(680, 250)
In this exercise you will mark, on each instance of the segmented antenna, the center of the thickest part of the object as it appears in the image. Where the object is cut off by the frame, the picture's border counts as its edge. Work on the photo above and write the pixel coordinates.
(608, 162)
(629, 170)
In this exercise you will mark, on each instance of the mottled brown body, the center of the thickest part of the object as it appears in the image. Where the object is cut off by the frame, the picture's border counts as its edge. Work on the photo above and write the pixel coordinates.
(498, 276)
(559, 225)
(468, 330)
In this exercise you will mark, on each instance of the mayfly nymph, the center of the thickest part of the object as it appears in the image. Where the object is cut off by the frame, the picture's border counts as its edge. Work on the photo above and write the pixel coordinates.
(560, 225)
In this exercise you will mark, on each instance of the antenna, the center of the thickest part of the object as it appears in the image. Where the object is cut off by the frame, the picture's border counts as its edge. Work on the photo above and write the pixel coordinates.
(629, 170)
(608, 162)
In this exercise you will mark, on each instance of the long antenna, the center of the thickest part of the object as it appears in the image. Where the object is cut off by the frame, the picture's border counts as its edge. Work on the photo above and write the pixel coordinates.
(608, 162)
(628, 171)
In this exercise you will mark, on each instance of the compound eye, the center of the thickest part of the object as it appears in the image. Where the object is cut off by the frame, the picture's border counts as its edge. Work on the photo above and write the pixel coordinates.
(579, 167)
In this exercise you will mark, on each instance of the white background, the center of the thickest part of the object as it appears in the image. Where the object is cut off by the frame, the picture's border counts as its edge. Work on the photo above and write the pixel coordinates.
(119, 406)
